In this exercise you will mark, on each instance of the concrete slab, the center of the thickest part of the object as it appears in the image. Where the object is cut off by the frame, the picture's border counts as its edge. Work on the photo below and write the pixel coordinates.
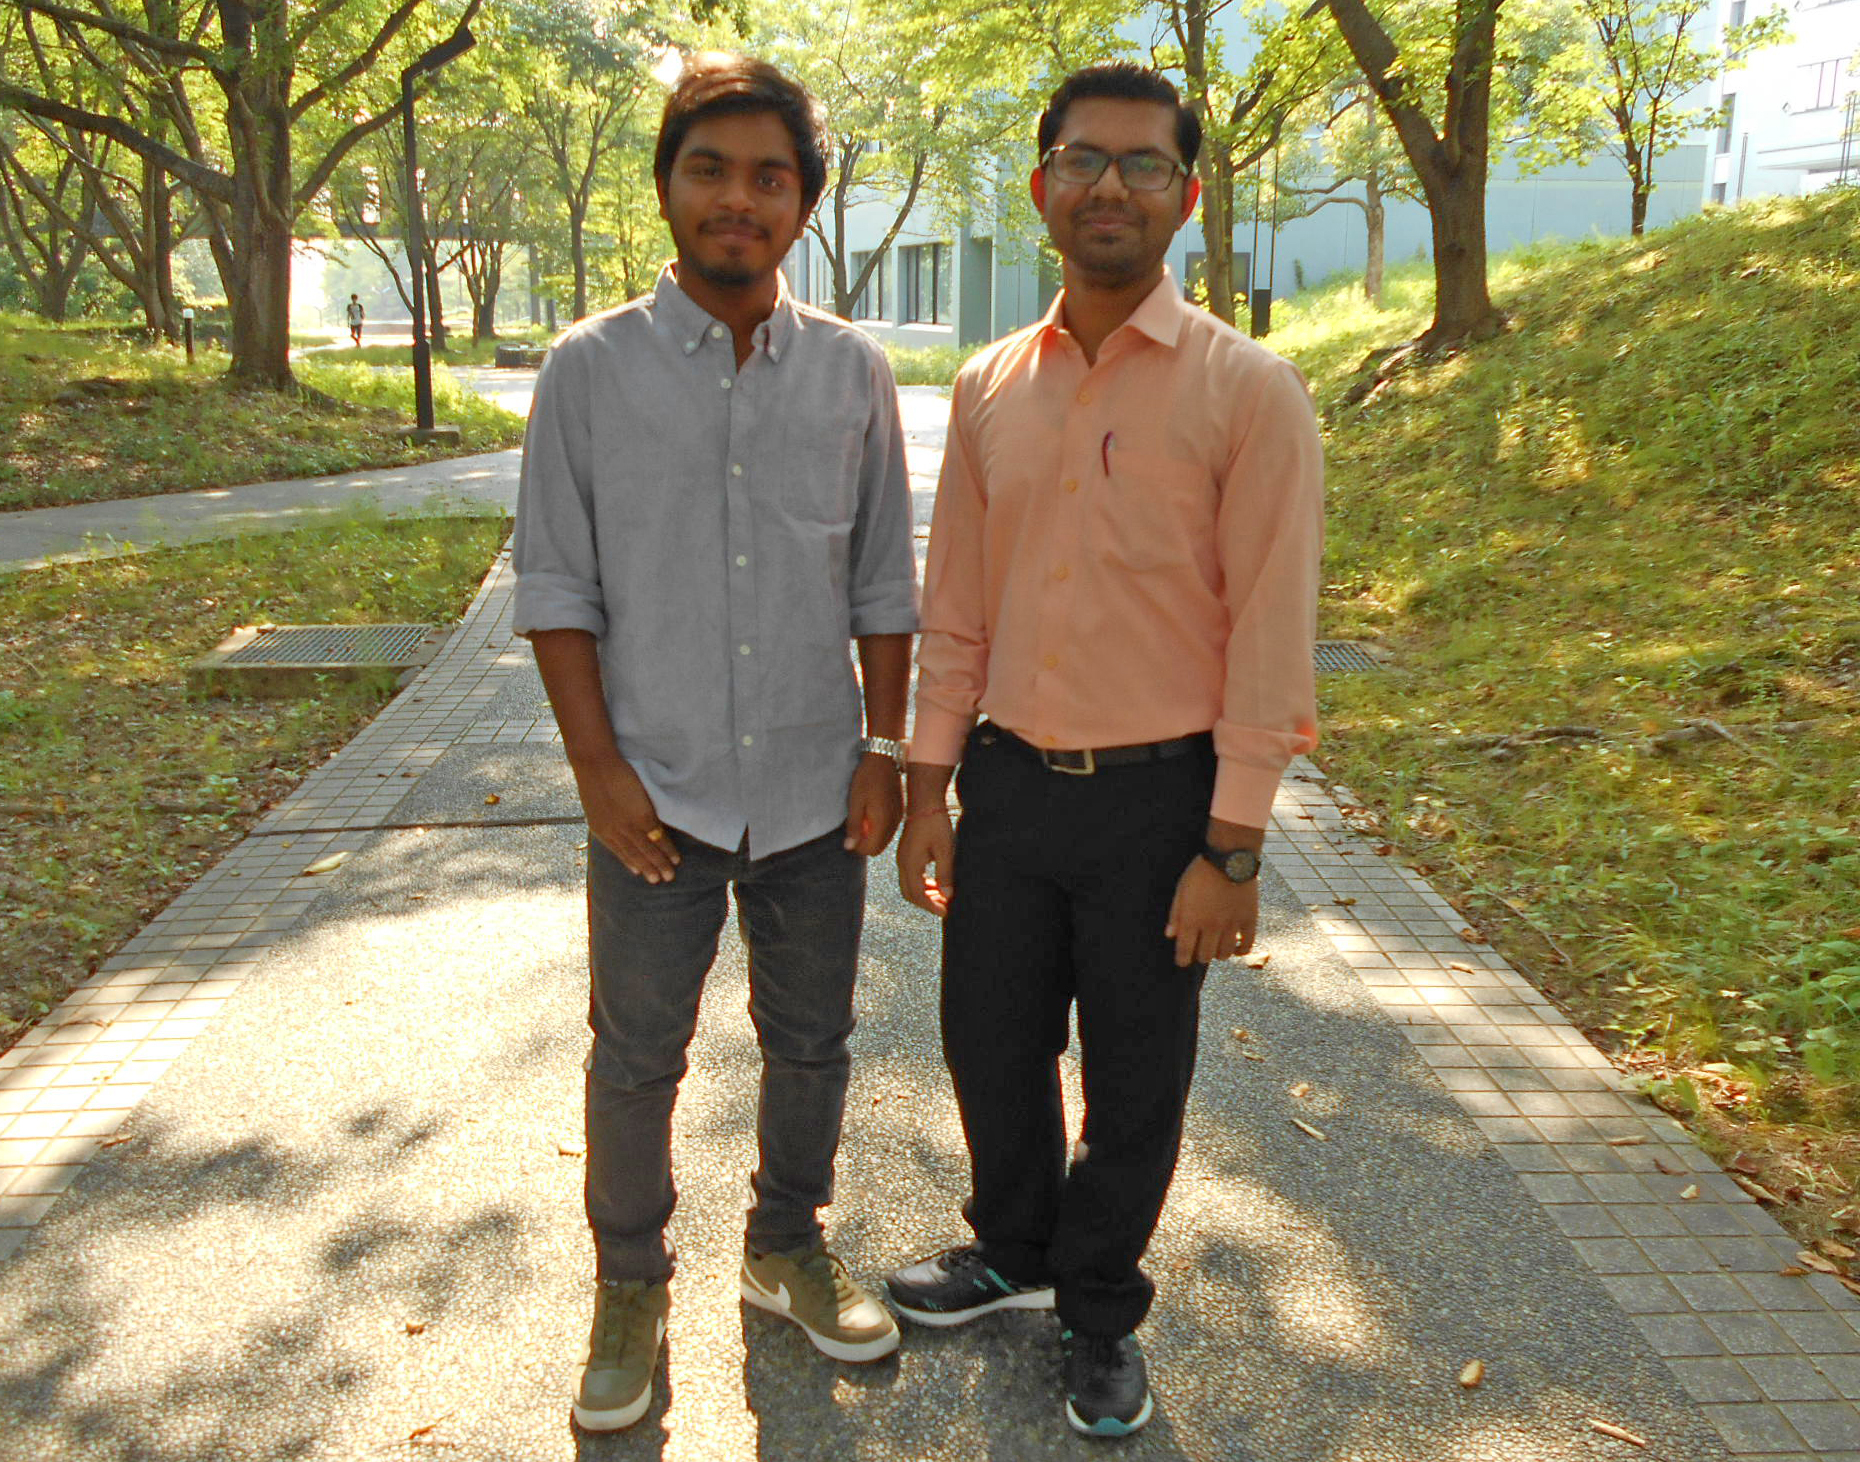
(346, 1217)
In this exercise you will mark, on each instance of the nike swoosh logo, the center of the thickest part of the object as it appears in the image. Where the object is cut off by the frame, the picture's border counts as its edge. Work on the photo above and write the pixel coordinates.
(779, 1294)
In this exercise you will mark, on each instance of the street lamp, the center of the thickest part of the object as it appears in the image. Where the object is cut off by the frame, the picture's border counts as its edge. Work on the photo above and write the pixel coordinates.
(459, 42)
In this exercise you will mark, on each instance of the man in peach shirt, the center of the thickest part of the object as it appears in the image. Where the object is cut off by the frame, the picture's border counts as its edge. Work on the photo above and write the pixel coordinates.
(1122, 581)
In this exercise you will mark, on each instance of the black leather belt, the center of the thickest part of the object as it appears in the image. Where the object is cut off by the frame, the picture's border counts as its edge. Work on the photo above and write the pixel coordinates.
(1095, 759)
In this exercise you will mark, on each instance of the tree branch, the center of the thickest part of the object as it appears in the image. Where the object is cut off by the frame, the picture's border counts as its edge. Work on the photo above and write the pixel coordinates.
(122, 30)
(201, 179)
(324, 170)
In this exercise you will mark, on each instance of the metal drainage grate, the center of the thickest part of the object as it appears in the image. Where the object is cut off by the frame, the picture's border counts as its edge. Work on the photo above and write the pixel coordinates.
(294, 659)
(332, 644)
(1339, 655)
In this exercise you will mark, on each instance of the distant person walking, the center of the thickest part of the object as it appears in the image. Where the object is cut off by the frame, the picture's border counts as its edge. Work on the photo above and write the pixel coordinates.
(713, 505)
(1123, 579)
(356, 315)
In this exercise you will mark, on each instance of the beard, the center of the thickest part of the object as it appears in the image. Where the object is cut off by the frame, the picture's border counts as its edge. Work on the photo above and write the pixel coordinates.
(723, 275)
(1113, 262)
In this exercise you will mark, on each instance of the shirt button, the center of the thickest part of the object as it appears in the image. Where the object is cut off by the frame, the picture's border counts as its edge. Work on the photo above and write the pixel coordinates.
(1062, 572)
(716, 332)
(749, 741)
(1084, 398)
(774, 354)
(1072, 484)
(742, 560)
(1051, 662)
(736, 469)
(690, 345)
(742, 649)
(725, 383)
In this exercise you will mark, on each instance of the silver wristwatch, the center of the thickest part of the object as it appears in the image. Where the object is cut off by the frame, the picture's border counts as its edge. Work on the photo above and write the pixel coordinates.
(884, 746)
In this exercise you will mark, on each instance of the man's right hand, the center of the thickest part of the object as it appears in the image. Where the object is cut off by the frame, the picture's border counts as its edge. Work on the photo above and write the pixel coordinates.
(928, 842)
(620, 813)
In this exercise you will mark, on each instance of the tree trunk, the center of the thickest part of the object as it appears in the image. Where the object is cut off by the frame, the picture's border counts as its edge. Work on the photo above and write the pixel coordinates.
(1462, 303)
(578, 251)
(258, 295)
(1375, 215)
(1217, 231)
(435, 307)
(161, 254)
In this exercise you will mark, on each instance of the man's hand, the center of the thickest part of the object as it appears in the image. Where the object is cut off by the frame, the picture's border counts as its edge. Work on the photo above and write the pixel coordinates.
(873, 805)
(620, 813)
(929, 842)
(1212, 917)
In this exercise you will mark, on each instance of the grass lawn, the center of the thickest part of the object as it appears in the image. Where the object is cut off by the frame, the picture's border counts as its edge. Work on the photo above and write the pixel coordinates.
(1637, 513)
(461, 352)
(116, 788)
(84, 419)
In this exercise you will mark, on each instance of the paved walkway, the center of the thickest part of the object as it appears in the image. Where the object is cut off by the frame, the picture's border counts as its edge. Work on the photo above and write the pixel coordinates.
(479, 484)
(295, 1175)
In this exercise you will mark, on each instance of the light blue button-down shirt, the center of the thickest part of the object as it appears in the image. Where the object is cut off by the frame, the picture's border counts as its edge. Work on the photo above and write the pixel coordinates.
(724, 534)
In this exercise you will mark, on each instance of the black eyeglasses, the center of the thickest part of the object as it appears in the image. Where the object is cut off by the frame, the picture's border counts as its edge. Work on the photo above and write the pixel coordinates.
(1081, 167)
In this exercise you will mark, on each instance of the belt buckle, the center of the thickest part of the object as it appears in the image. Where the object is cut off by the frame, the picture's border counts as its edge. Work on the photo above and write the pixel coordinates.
(1088, 768)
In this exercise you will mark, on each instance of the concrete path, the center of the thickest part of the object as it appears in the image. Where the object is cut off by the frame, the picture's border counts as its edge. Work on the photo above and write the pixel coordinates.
(296, 1175)
(486, 483)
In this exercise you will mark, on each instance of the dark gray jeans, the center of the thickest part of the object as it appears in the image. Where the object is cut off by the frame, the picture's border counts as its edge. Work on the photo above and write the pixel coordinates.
(650, 947)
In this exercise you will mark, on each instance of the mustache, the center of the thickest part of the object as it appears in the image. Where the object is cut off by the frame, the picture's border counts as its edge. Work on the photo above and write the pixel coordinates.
(726, 224)
(1100, 213)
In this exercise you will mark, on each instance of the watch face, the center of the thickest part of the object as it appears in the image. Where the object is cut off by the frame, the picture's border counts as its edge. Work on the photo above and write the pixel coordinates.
(1240, 865)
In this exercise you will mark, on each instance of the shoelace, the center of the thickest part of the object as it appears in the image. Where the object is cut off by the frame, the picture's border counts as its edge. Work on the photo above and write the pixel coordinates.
(611, 1318)
(835, 1275)
(1098, 1350)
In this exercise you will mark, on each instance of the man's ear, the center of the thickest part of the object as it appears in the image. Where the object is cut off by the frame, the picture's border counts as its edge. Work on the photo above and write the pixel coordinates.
(658, 186)
(1037, 185)
(1191, 195)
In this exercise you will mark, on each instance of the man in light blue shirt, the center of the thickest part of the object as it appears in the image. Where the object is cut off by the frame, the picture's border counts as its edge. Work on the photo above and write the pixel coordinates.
(713, 505)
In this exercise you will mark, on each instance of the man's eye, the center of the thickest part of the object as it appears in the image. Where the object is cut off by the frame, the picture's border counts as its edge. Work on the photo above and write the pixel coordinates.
(704, 170)
(772, 183)
(1139, 166)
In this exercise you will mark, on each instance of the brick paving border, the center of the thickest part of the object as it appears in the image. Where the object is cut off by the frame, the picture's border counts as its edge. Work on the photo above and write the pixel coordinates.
(1773, 1361)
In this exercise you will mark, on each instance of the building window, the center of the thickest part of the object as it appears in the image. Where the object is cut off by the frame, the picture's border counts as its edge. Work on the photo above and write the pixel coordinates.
(925, 282)
(1724, 125)
(1821, 84)
(1718, 192)
(870, 305)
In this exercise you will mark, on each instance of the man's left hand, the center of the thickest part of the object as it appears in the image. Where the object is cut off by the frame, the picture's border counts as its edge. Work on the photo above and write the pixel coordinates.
(874, 806)
(1212, 916)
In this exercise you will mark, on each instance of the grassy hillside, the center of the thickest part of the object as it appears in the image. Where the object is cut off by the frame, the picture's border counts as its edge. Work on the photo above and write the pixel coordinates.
(1637, 514)
(83, 419)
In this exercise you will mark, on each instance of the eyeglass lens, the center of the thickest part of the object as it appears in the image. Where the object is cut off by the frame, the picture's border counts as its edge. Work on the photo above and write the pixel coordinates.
(1141, 171)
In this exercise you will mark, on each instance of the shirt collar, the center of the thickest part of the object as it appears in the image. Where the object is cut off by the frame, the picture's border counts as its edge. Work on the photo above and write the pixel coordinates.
(1158, 316)
(691, 325)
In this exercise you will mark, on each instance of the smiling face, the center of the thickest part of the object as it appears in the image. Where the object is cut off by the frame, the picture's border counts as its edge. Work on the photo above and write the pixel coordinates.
(1114, 237)
(733, 199)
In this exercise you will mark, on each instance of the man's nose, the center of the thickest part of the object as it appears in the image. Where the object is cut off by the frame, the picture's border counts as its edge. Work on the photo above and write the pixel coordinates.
(736, 192)
(1110, 182)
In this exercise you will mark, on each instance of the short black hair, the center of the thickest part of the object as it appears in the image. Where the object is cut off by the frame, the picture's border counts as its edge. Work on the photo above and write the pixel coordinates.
(724, 84)
(1123, 81)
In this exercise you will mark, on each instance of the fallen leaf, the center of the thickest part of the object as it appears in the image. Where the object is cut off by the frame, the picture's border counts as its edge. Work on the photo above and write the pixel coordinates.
(492, 800)
(1620, 1434)
(1463, 969)
(1851, 1285)
(116, 1141)
(1814, 1261)
(1301, 1088)
(1346, 902)
(1626, 1141)
(1668, 1168)
(1382, 850)
(329, 864)
(416, 895)
(1253, 1055)
(1792, 1271)
(1755, 1189)
(1472, 1373)
(1745, 1164)
(416, 1327)
(1689, 1192)
(1472, 936)
(1258, 961)
(1835, 1249)
(1241, 1033)
(1309, 1130)
(572, 1149)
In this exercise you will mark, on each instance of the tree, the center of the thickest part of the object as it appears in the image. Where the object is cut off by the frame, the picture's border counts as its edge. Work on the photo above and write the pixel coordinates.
(1644, 57)
(34, 204)
(1355, 148)
(1451, 160)
(226, 78)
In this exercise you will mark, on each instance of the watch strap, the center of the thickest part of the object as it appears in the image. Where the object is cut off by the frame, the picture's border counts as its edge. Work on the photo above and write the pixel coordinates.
(1237, 865)
(884, 746)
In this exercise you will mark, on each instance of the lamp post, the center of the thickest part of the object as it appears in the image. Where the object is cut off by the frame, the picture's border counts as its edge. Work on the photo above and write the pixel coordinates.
(459, 42)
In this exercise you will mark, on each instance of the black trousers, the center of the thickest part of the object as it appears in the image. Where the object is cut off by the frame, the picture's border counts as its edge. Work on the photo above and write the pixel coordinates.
(1063, 888)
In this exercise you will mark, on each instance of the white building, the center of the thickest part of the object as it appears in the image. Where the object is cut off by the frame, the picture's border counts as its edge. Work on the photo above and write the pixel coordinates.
(1793, 122)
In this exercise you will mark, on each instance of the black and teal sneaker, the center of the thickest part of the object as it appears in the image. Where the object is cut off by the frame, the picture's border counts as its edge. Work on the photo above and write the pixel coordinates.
(1107, 1384)
(956, 1286)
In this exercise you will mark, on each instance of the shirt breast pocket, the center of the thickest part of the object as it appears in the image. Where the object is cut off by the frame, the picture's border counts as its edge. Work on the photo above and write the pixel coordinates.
(819, 471)
(1156, 513)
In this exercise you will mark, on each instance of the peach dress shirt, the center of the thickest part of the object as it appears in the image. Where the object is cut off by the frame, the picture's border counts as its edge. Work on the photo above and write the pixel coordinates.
(1128, 551)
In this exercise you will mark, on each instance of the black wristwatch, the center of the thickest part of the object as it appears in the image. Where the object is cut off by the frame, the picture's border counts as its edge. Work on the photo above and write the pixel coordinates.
(1237, 865)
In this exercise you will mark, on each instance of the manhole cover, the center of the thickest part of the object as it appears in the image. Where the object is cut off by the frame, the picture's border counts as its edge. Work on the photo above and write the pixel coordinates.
(293, 659)
(1335, 655)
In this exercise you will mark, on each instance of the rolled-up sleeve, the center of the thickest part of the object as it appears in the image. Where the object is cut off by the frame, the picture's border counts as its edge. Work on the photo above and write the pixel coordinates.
(554, 552)
(952, 656)
(1270, 531)
(883, 574)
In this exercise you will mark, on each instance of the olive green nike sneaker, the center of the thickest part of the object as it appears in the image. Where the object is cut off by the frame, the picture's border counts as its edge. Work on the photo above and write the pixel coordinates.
(615, 1386)
(812, 1288)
